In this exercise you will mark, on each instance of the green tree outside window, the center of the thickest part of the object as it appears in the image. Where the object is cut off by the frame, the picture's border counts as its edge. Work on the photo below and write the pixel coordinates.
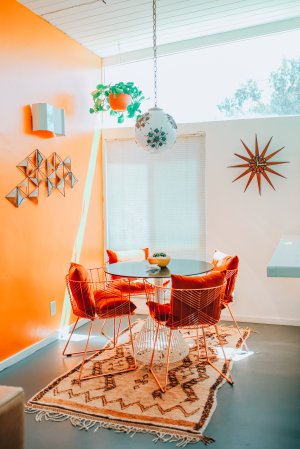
(285, 94)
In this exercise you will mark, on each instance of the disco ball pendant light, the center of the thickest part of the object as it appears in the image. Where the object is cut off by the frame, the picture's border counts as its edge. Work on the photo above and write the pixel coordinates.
(155, 130)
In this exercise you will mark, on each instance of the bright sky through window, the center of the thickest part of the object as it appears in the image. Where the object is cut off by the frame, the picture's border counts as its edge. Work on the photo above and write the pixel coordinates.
(192, 84)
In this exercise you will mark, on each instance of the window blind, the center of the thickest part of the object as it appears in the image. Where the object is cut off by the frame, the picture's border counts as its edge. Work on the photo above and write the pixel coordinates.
(156, 200)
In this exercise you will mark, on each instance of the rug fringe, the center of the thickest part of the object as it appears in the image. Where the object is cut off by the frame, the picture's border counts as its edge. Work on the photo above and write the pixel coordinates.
(87, 424)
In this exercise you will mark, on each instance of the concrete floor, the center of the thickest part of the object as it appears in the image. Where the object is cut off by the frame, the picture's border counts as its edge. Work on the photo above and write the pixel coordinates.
(261, 410)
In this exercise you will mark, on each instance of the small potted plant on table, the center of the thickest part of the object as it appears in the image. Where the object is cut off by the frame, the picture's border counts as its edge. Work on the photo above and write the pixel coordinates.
(117, 99)
(160, 259)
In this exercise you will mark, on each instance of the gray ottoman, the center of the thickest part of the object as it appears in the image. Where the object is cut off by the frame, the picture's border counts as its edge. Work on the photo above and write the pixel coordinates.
(11, 417)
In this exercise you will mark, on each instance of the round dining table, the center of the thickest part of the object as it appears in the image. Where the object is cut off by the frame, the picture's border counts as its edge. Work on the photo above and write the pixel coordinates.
(144, 341)
(142, 269)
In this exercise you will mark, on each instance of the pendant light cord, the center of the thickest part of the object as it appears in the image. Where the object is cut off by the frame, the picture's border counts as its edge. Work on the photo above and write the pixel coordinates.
(154, 53)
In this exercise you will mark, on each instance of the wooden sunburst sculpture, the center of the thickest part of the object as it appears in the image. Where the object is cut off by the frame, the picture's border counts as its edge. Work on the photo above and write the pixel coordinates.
(257, 164)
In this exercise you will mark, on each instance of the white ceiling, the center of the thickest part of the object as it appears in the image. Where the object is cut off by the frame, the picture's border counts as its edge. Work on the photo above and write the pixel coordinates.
(122, 26)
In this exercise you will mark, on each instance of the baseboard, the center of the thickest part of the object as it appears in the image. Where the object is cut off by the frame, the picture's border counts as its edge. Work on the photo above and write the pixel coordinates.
(6, 363)
(261, 320)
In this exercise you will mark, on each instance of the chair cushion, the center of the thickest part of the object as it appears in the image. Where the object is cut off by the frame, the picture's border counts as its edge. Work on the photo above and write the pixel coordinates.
(133, 287)
(82, 291)
(101, 294)
(135, 255)
(224, 262)
(113, 304)
(180, 310)
(160, 312)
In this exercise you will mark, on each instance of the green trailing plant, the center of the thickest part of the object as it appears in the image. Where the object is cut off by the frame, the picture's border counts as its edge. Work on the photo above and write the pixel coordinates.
(159, 255)
(101, 99)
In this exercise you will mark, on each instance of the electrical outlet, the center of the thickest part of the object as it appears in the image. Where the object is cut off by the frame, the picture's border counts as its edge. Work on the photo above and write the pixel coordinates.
(53, 308)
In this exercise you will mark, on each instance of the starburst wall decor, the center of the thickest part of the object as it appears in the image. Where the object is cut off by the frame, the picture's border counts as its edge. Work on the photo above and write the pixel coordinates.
(258, 164)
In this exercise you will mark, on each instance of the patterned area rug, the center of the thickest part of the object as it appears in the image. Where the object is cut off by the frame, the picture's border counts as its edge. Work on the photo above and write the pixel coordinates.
(132, 402)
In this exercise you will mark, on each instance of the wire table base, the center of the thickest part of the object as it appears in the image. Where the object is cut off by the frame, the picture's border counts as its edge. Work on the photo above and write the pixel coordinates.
(144, 343)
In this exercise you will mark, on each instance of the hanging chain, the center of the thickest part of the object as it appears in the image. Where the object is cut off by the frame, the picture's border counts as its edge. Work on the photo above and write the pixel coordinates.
(154, 53)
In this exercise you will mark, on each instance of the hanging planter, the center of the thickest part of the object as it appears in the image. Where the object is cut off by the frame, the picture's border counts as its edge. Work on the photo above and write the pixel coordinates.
(117, 99)
(119, 102)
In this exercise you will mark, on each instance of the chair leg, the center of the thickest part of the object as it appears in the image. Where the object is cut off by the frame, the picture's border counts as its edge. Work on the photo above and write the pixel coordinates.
(85, 351)
(152, 358)
(210, 363)
(239, 331)
(102, 330)
(205, 346)
(90, 351)
(224, 355)
(155, 341)
(114, 345)
(116, 336)
(131, 341)
(168, 358)
(198, 345)
(162, 387)
(65, 348)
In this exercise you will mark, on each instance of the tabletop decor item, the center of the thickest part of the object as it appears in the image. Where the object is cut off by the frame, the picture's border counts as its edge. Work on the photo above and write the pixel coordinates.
(155, 130)
(160, 259)
(258, 164)
(131, 402)
(117, 99)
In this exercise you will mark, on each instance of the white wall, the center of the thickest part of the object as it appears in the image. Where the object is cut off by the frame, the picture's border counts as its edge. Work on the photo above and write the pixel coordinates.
(247, 224)
(251, 225)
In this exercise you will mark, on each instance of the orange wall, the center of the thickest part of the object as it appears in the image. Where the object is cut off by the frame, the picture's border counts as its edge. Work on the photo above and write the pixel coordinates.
(40, 64)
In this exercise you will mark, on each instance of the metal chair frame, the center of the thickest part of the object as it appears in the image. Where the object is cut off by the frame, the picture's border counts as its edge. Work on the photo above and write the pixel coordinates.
(200, 301)
(231, 276)
(96, 282)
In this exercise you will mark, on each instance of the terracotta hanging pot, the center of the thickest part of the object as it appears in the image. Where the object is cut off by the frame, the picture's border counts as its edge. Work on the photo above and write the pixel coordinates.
(119, 102)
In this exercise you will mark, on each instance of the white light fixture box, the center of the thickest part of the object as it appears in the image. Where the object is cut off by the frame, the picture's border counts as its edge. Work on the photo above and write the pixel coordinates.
(46, 117)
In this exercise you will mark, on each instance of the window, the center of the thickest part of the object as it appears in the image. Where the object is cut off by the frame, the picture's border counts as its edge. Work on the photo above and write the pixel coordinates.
(156, 200)
(193, 85)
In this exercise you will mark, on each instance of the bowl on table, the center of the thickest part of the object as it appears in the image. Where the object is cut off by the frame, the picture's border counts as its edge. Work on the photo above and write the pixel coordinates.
(160, 261)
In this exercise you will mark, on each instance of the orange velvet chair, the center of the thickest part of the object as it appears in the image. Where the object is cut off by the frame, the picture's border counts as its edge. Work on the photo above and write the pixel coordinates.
(194, 303)
(93, 297)
(229, 265)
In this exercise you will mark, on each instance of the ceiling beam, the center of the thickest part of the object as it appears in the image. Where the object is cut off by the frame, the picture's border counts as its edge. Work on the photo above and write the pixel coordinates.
(205, 41)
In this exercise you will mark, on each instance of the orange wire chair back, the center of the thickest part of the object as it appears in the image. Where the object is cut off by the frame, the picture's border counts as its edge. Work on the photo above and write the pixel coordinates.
(92, 296)
(191, 308)
(78, 292)
(230, 277)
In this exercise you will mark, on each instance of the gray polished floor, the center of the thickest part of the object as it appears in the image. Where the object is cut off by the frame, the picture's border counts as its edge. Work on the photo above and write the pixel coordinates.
(261, 410)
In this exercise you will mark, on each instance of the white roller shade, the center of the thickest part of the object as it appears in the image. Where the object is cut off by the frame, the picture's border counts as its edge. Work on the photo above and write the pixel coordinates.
(156, 200)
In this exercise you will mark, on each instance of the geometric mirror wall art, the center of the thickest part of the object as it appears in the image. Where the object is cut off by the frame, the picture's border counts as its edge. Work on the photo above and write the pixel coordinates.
(37, 169)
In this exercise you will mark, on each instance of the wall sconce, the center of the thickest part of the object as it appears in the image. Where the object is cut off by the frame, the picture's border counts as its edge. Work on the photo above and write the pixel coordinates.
(46, 117)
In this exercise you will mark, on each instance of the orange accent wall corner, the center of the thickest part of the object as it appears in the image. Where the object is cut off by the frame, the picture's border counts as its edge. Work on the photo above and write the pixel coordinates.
(41, 64)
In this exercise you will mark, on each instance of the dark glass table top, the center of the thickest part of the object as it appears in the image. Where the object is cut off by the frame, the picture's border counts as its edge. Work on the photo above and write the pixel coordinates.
(143, 269)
